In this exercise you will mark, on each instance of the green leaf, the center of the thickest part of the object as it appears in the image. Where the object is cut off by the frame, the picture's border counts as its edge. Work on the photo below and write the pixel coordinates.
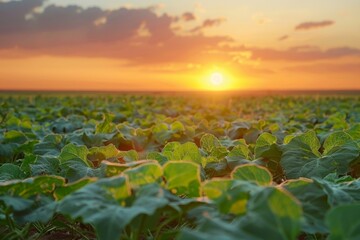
(45, 165)
(354, 131)
(301, 157)
(98, 154)
(212, 146)
(340, 193)
(228, 197)
(334, 141)
(16, 203)
(31, 186)
(50, 145)
(209, 142)
(240, 154)
(129, 156)
(161, 133)
(157, 156)
(42, 210)
(343, 222)
(272, 214)
(14, 136)
(75, 169)
(106, 126)
(7, 152)
(253, 173)
(314, 204)
(73, 152)
(63, 191)
(266, 147)
(187, 151)
(114, 169)
(149, 172)
(177, 127)
(10, 171)
(182, 178)
(96, 204)
(214, 229)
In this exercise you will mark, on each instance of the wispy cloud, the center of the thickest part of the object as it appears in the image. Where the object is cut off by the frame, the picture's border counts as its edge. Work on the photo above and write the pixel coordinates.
(188, 16)
(283, 38)
(321, 68)
(139, 36)
(313, 25)
(209, 23)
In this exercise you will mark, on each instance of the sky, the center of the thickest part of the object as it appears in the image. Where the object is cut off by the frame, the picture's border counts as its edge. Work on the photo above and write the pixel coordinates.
(148, 45)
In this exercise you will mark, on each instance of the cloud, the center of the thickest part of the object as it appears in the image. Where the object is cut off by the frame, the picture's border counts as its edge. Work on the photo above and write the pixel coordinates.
(338, 68)
(138, 36)
(301, 53)
(188, 16)
(209, 23)
(283, 38)
(13, 15)
(313, 25)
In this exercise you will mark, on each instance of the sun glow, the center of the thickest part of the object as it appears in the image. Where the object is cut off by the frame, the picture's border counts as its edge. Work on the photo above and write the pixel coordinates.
(217, 79)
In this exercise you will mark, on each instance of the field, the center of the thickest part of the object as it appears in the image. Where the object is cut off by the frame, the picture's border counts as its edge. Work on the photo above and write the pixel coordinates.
(157, 166)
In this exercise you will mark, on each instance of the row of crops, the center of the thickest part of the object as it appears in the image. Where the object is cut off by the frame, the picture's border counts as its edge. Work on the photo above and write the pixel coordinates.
(162, 167)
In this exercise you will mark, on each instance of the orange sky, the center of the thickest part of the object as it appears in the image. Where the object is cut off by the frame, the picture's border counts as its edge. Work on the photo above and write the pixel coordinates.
(165, 46)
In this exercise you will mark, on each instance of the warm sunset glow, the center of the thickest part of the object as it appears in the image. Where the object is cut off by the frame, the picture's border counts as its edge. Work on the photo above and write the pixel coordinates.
(216, 79)
(178, 46)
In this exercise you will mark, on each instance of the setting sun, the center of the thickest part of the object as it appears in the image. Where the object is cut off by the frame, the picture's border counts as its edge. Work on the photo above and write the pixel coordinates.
(216, 79)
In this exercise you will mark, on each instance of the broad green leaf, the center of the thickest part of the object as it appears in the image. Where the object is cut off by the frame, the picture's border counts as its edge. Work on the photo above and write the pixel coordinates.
(73, 152)
(272, 214)
(10, 171)
(7, 152)
(215, 188)
(240, 154)
(209, 142)
(62, 191)
(182, 178)
(129, 156)
(340, 193)
(146, 173)
(50, 145)
(98, 154)
(16, 203)
(214, 229)
(106, 126)
(314, 203)
(249, 172)
(32, 186)
(157, 156)
(177, 127)
(42, 210)
(301, 157)
(96, 204)
(26, 162)
(113, 169)
(75, 169)
(212, 146)
(343, 222)
(187, 151)
(162, 133)
(266, 147)
(14, 136)
(45, 165)
(354, 131)
(334, 141)
(228, 197)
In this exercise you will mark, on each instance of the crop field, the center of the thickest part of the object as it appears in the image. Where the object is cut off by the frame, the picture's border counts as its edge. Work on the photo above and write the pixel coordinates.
(207, 167)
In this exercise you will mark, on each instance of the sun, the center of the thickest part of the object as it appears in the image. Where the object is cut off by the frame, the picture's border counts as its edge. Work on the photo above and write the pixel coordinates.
(216, 79)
